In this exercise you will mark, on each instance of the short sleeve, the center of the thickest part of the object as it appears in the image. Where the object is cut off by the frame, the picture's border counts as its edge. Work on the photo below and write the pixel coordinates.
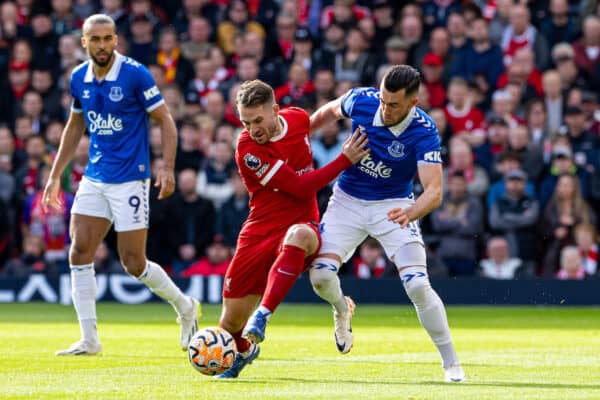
(146, 90)
(428, 148)
(348, 101)
(76, 103)
(257, 165)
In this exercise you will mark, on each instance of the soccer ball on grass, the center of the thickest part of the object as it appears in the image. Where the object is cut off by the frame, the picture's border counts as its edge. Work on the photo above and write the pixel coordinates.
(212, 351)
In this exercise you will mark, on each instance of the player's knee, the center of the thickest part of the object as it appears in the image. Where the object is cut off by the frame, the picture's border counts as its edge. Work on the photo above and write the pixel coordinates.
(322, 272)
(417, 285)
(80, 252)
(302, 236)
(134, 263)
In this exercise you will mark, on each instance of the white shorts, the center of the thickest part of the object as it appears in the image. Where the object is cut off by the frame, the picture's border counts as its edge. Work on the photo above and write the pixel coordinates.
(125, 204)
(348, 221)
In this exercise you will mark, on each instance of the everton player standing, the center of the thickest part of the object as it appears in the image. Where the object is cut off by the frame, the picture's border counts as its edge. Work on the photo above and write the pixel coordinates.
(375, 197)
(112, 97)
(280, 237)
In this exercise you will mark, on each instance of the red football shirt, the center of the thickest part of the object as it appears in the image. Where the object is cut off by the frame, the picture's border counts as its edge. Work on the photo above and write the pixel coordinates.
(470, 119)
(272, 210)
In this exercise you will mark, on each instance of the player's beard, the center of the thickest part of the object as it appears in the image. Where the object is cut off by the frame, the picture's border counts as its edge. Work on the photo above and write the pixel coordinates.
(103, 63)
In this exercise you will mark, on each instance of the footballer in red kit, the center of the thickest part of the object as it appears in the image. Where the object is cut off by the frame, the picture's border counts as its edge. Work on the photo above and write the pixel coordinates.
(280, 238)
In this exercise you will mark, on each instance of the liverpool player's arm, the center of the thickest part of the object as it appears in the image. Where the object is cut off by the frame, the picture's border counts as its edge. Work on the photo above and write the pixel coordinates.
(283, 178)
(166, 177)
(71, 135)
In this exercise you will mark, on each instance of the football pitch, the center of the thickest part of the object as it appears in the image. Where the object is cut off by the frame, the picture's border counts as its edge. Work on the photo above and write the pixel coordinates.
(507, 352)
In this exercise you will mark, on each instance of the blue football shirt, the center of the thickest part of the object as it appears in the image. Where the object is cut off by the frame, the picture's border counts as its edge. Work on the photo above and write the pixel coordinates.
(387, 172)
(116, 115)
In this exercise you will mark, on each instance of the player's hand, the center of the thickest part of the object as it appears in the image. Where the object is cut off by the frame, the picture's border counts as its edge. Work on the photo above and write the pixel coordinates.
(355, 147)
(165, 180)
(50, 197)
(399, 216)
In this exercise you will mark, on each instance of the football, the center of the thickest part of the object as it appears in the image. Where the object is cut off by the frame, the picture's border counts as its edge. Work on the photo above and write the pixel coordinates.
(212, 351)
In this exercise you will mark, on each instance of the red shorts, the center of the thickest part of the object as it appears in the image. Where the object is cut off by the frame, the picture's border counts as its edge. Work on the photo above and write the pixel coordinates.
(254, 256)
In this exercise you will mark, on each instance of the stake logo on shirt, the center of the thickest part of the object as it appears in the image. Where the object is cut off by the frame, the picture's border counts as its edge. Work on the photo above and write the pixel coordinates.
(103, 126)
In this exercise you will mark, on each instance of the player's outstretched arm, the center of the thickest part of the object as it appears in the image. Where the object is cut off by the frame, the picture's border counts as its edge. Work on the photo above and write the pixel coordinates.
(71, 136)
(431, 198)
(306, 185)
(331, 111)
(165, 179)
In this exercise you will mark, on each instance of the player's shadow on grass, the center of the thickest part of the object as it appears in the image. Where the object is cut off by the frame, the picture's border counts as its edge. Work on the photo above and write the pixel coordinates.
(516, 385)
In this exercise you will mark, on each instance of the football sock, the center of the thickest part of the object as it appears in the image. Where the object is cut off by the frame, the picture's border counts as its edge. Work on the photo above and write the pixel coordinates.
(284, 273)
(326, 283)
(430, 310)
(242, 344)
(83, 284)
(159, 282)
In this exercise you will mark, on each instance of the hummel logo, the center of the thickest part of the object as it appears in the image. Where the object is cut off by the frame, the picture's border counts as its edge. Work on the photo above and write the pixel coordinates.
(86, 94)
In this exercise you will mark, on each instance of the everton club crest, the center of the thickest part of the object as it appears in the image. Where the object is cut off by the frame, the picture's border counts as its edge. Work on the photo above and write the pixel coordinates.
(396, 149)
(116, 94)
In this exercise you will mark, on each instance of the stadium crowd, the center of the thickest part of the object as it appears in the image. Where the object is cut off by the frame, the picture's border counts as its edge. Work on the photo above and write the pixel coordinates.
(512, 85)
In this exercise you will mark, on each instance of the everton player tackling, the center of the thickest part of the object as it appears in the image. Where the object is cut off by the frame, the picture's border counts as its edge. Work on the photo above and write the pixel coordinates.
(375, 197)
(280, 238)
(112, 97)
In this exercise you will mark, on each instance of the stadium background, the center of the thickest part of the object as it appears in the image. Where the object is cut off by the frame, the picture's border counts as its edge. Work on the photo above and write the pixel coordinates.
(513, 87)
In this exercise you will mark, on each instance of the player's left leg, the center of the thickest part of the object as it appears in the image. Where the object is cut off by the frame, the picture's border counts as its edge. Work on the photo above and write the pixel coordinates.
(301, 241)
(410, 260)
(132, 251)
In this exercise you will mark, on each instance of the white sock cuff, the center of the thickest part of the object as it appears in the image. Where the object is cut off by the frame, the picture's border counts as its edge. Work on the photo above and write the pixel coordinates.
(82, 268)
(144, 272)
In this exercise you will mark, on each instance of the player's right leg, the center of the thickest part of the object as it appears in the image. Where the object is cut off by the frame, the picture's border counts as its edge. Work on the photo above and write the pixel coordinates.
(234, 315)
(86, 234)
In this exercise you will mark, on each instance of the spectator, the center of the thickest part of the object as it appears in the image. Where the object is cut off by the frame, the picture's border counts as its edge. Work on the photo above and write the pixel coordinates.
(29, 262)
(506, 163)
(191, 221)
(396, 52)
(141, 44)
(355, 64)
(583, 143)
(195, 8)
(500, 19)
(326, 143)
(383, 15)
(562, 163)
(44, 41)
(115, 10)
(237, 22)
(197, 38)
(536, 117)
(216, 261)
(563, 57)
(459, 221)
(480, 61)
(63, 19)
(519, 141)
(70, 53)
(587, 49)
(42, 82)
(559, 26)
(234, 211)
(52, 225)
(586, 239)
(324, 86)
(571, 267)
(457, 31)
(205, 81)
(298, 91)
(499, 264)
(344, 13)
(553, 98)
(32, 107)
(433, 69)
(371, 262)
(105, 262)
(189, 155)
(520, 33)
(214, 178)
(18, 83)
(74, 171)
(169, 56)
(461, 160)
(566, 209)
(515, 215)
(463, 119)
(28, 175)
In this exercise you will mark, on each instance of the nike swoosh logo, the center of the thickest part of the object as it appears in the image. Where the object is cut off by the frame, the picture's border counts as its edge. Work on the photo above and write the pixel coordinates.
(285, 272)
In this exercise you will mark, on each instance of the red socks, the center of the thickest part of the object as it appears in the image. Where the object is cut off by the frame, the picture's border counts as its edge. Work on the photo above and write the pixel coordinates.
(284, 273)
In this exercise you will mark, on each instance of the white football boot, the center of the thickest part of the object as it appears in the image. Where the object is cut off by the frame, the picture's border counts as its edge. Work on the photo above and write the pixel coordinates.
(81, 348)
(455, 373)
(189, 323)
(343, 327)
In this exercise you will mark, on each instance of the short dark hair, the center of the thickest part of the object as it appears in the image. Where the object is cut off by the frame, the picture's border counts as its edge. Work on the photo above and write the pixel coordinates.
(254, 93)
(401, 77)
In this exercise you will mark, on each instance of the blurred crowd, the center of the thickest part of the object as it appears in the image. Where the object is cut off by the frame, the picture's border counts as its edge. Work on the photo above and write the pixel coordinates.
(512, 85)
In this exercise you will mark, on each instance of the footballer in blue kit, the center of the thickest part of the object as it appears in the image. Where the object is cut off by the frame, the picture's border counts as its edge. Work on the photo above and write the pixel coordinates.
(375, 198)
(113, 95)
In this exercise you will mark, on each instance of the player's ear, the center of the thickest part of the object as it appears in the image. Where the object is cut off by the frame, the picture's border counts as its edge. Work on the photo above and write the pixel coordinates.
(275, 108)
(83, 42)
(414, 100)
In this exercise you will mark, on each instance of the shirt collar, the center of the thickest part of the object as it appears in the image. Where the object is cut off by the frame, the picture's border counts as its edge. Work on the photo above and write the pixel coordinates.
(400, 126)
(112, 74)
(284, 130)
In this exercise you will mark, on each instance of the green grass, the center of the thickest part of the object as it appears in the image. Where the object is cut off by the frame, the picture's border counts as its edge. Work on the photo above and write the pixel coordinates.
(508, 353)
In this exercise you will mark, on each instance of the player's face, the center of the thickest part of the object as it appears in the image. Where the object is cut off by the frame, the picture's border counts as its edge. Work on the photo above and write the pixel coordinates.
(260, 122)
(100, 41)
(395, 106)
